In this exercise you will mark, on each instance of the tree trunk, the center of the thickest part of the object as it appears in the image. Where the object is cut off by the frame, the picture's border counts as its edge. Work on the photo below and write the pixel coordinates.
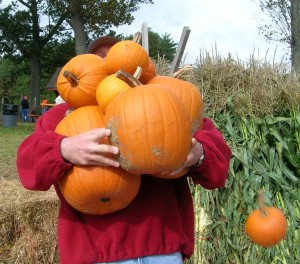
(295, 43)
(35, 66)
(77, 24)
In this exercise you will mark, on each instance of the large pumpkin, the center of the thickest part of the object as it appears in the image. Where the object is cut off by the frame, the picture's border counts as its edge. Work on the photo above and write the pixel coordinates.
(151, 127)
(94, 189)
(127, 55)
(78, 79)
(188, 93)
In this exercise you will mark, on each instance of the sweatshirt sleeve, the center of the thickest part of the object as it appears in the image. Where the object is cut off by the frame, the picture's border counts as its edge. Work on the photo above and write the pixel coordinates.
(213, 171)
(39, 160)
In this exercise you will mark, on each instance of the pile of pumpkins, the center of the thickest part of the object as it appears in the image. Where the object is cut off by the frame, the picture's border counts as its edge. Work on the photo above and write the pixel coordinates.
(152, 119)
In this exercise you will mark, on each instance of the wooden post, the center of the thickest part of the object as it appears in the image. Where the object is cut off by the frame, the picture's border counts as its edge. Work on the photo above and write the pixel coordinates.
(180, 49)
(145, 42)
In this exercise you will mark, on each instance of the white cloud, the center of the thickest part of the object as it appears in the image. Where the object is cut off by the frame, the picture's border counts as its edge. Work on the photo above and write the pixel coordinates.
(231, 25)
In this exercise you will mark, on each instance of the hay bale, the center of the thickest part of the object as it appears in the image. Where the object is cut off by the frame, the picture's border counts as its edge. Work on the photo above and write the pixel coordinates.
(28, 224)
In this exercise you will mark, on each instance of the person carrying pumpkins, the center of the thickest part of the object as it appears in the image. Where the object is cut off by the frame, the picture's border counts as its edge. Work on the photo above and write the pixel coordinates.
(157, 226)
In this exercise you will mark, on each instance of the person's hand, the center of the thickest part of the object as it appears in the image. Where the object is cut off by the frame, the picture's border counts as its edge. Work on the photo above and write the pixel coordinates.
(192, 158)
(84, 149)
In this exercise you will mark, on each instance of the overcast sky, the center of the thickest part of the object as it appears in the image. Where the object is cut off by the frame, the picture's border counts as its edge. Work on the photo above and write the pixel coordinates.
(231, 25)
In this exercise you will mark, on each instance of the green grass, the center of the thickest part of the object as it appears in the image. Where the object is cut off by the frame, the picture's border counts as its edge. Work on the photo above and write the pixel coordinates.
(11, 138)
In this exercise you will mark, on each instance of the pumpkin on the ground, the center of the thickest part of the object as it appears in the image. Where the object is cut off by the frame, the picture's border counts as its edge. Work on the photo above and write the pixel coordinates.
(94, 189)
(78, 79)
(151, 127)
(266, 226)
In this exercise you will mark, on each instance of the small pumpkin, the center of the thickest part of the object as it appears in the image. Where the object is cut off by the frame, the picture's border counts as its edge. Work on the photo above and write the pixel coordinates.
(127, 55)
(149, 73)
(266, 226)
(151, 127)
(78, 79)
(96, 190)
(112, 86)
(188, 93)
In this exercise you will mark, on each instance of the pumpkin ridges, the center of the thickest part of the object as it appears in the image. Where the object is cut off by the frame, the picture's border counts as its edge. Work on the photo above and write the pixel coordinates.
(109, 200)
(126, 55)
(266, 226)
(136, 116)
(148, 73)
(109, 88)
(188, 93)
(89, 69)
(86, 187)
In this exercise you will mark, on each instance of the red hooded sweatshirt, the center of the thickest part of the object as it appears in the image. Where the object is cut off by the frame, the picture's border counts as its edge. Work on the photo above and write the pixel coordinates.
(160, 220)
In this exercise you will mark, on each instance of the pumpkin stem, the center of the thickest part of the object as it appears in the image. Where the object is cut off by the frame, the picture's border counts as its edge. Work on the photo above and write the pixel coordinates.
(137, 37)
(261, 203)
(138, 72)
(128, 78)
(72, 79)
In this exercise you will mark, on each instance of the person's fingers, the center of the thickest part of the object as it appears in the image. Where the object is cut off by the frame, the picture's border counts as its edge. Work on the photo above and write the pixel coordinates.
(194, 142)
(103, 148)
(99, 133)
(105, 161)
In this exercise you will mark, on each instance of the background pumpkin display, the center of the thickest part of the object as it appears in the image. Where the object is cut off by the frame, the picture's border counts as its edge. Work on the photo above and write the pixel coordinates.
(78, 79)
(151, 127)
(95, 189)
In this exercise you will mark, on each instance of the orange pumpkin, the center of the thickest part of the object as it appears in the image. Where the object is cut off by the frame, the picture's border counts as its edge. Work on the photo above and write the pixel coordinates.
(127, 55)
(113, 85)
(94, 190)
(266, 226)
(188, 93)
(151, 127)
(148, 74)
(78, 79)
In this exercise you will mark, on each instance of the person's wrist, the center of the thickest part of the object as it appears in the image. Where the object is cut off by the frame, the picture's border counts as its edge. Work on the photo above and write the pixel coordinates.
(201, 158)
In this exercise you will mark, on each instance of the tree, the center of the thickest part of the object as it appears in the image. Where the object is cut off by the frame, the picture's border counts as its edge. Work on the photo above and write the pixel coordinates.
(30, 36)
(295, 40)
(284, 26)
(161, 46)
(94, 18)
(11, 75)
(21, 33)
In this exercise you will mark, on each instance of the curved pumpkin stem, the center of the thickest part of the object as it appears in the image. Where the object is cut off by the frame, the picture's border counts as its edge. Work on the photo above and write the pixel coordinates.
(137, 37)
(182, 71)
(261, 203)
(72, 79)
(138, 72)
(132, 81)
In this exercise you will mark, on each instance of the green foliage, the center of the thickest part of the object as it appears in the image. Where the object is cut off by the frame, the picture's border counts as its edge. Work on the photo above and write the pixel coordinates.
(161, 46)
(13, 82)
(280, 27)
(265, 156)
(256, 107)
